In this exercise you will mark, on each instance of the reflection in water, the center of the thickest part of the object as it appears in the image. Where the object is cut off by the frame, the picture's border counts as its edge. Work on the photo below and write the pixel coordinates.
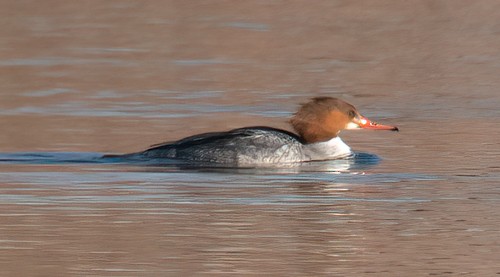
(358, 161)
(123, 219)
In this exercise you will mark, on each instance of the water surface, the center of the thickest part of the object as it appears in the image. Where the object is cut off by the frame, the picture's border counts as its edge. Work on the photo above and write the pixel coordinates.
(79, 80)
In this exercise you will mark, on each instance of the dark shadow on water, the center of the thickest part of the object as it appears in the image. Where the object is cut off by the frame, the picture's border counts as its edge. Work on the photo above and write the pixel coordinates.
(50, 158)
(358, 161)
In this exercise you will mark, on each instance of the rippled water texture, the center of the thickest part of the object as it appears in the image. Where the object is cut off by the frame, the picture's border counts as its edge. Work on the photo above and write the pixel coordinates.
(79, 79)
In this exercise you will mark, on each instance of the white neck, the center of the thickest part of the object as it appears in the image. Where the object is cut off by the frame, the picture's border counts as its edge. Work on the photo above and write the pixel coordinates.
(334, 148)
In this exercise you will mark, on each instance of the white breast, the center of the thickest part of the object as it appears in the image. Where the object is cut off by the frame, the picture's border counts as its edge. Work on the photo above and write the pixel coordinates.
(327, 150)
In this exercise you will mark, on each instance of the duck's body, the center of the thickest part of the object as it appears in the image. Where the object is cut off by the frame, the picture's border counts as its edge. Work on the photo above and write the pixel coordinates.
(317, 124)
(249, 146)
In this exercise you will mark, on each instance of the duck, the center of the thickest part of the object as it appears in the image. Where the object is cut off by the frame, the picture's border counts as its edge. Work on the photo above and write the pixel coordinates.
(316, 125)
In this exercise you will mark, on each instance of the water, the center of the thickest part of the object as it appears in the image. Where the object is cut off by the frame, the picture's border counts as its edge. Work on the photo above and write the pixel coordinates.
(79, 80)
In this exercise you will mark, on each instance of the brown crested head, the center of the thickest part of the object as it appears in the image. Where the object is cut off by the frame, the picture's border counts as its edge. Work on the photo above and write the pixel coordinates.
(322, 118)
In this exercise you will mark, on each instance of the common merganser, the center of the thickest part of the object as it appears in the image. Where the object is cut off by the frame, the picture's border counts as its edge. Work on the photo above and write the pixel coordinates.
(317, 125)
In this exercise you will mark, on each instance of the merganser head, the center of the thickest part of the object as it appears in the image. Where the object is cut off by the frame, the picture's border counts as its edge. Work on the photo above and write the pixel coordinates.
(322, 118)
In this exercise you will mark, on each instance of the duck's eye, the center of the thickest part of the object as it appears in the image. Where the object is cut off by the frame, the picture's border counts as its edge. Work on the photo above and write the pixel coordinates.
(352, 114)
